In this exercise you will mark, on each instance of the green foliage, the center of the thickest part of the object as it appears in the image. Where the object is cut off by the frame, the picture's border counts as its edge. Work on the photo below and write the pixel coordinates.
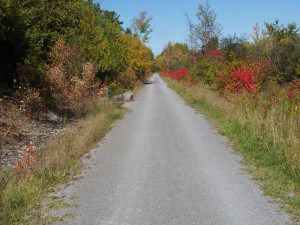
(283, 50)
(234, 47)
(30, 29)
(46, 22)
(139, 56)
(141, 26)
(298, 69)
(182, 47)
(110, 16)
(12, 40)
(207, 70)
(111, 53)
(279, 32)
(174, 56)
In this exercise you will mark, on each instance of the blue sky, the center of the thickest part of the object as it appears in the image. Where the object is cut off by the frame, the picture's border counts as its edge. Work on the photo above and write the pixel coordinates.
(235, 16)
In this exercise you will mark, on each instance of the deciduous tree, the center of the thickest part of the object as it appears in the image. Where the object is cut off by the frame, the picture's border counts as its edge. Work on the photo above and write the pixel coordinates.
(141, 26)
(206, 30)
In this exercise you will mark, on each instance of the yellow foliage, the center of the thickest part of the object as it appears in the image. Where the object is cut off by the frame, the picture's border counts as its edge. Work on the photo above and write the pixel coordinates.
(139, 56)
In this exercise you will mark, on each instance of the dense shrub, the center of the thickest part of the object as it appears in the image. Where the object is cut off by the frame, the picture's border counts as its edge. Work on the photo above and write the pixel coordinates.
(214, 54)
(68, 86)
(30, 30)
(139, 56)
(12, 41)
(262, 70)
(243, 81)
(175, 74)
(178, 74)
(293, 91)
(234, 47)
(226, 73)
(127, 78)
(174, 56)
(283, 50)
(207, 70)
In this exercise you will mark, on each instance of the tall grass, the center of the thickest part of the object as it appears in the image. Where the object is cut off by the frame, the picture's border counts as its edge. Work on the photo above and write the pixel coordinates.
(265, 131)
(20, 193)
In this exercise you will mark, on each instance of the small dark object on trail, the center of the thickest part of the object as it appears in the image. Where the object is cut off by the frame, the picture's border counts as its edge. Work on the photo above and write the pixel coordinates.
(149, 82)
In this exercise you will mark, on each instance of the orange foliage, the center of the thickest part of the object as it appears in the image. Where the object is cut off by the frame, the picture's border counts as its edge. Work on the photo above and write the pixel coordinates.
(67, 86)
(26, 161)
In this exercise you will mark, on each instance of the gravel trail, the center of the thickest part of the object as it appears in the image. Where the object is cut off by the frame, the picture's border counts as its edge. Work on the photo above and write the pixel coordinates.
(164, 164)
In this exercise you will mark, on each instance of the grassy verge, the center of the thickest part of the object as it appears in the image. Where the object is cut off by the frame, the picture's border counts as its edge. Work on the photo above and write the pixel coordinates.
(255, 137)
(21, 193)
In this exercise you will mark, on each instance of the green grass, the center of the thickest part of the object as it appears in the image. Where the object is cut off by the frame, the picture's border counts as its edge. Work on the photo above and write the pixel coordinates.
(265, 160)
(56, 205)
(20, 194)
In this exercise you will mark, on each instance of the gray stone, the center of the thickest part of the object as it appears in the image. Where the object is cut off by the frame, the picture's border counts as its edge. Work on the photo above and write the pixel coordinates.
(52, 117)
(128, 96)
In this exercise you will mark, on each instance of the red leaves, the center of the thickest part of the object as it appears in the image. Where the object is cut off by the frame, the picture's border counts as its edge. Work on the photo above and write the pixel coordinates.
(175, 75)
(293, 91)
(178, 74)
(243, 81)
(164, 73)
(26, 161)
(213, 53)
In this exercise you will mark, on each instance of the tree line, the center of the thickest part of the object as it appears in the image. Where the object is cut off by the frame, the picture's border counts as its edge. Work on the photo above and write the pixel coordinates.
(272, 52)
(55, 45)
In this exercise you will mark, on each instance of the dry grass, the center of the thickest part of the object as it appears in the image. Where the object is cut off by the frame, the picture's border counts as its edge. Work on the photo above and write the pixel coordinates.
(20, 193)
(265, 132)
(274, 120)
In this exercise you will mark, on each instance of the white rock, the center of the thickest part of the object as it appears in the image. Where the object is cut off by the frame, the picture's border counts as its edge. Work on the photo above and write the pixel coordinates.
(128, 96)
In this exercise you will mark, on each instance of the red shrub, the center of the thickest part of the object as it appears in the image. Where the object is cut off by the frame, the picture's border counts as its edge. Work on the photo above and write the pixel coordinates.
(178, 74)
(24, 162)
(262, 70)
(293, 92)
(193, 80)
(225, 75)
(175, 75)
(164, 73)
(213, 53)
(243, 81)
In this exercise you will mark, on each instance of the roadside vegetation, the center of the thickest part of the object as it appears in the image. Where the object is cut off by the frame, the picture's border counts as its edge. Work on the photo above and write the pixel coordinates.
(22, 189)
(58, 52)
(60, 58)
(253, 138)
(250, 88)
